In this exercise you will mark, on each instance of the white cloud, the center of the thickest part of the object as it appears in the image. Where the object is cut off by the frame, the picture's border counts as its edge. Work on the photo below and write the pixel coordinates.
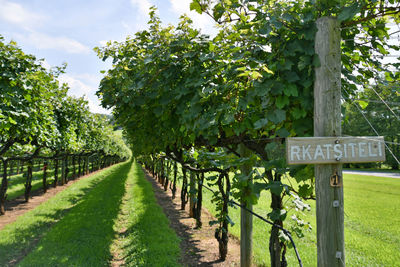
(142, 5)
(139, 23)
(84, 85)
(204, 22)
(45, 64)
(94, 106)
(16, 14)
(62, 43)
(77, 86)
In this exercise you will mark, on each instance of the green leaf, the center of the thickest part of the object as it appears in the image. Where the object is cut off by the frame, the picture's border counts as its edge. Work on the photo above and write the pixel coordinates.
(276, 215)
(267, 70)
(196, 7)
(283, 133)
(291, 76)
(276, 187)
(363, 104)
(218, 11)
(260, 123)
(282, 101)
(265, 29)
(298, 113)
(290, 90)
(255, 75)
(316, 62)
(12, 121)
(349, 12)
(280, 115)
(258, 187)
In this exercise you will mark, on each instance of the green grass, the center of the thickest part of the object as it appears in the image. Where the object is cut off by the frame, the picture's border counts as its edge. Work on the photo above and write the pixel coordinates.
(83, 236)
(112, 211)
(145, 237)
(372, 224)
(22, 236)
(372, 170)
(16, 185)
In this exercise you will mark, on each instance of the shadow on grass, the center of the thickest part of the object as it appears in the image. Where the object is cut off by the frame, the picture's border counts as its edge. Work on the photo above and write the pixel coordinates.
(146, 238)
(83, 232)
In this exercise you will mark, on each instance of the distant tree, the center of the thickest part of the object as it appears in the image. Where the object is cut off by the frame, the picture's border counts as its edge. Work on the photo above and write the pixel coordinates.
(371, 102)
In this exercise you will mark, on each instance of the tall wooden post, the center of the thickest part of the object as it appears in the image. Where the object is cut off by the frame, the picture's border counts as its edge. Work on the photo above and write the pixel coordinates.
(327, 119)
(192, 193)
(246, 218)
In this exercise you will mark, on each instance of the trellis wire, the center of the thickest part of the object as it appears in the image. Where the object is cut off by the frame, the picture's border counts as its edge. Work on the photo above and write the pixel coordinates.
(373, 101)
(370, 139)
(391, 110)
(286, 232)
(379, 24)
(373, 128)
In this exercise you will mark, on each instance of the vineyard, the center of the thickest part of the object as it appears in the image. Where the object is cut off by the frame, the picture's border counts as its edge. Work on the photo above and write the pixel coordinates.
(208, 118)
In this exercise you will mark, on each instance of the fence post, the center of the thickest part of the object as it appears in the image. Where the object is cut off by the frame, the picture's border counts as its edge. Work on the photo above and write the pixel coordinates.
(327, 122)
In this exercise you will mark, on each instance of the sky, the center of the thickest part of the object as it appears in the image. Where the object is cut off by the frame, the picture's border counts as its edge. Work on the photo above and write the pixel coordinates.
(67, 31)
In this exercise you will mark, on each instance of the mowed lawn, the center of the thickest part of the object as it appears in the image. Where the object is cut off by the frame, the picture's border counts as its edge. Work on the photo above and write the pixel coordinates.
(110, 213)
(372, 224)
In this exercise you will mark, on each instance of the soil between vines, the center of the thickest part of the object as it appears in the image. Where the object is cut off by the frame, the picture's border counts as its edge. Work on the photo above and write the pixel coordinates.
(199, 246)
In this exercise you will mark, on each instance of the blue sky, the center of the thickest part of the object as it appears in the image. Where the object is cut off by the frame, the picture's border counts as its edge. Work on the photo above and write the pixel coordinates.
(67, 31)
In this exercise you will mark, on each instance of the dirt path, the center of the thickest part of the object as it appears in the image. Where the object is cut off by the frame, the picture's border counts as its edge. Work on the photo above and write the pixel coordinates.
(199, 246)
(17, 207)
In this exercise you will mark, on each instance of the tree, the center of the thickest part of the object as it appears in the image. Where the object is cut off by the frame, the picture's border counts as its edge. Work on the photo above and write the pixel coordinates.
(370, 102)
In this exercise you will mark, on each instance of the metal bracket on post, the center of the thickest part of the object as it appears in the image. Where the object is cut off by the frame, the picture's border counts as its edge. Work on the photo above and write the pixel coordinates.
(336, 180)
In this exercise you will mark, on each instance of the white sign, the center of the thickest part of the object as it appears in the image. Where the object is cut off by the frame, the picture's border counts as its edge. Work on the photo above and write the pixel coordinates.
(328, 150)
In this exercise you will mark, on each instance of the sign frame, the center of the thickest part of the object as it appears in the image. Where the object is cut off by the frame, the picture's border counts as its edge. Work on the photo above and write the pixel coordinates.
(335, 150)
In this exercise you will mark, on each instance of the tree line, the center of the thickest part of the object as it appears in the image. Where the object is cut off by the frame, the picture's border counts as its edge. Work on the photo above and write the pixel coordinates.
(40, 122)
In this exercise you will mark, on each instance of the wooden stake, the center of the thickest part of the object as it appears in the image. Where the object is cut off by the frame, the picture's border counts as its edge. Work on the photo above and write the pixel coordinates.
(192, 193)
(246, 218)
(327, 119)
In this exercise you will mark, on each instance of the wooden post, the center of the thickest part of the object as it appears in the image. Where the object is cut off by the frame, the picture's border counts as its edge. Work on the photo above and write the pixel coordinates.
(246, 218)
(192, 193)
(327, 119)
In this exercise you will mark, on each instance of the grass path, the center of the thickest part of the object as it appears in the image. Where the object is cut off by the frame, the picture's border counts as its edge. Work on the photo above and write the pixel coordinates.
(112, 211)
(83, 236)
(19, 238)
(144, 236)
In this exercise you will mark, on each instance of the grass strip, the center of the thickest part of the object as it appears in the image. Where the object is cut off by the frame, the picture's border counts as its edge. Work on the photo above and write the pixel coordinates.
(19, 238)
(83, 236)
(145, 238)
